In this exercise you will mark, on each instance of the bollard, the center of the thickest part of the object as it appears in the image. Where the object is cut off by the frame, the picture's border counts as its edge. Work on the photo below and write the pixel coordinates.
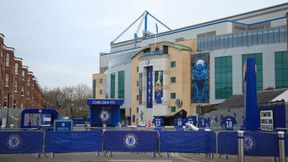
(281, 140)
(241, 146)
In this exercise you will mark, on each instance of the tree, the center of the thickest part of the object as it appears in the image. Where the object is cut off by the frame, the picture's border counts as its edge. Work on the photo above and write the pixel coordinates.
(72, 99)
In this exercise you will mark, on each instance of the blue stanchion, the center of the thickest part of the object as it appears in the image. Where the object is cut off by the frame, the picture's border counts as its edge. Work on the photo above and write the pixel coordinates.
(75, 141)
(227, 143)
(130, 141)
(13, 142)
(188, 141)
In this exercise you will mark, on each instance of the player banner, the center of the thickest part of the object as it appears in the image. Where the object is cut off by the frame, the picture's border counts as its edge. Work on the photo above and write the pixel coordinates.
(149, 92)
(76, 141)
(130, 141)
(14, 142)
(158, 90)
(188, 142)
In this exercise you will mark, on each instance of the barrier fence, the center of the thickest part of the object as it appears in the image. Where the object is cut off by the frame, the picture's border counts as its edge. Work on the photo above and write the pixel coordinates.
(254, 143)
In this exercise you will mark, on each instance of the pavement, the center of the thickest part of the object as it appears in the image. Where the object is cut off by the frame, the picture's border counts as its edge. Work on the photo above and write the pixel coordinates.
(125, 157)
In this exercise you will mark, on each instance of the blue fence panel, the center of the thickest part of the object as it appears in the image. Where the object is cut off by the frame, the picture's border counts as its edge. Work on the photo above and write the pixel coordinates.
(75, 141)
(227, 143)
(261, 144)
(130, 141)
(12, 142)
(188, 141)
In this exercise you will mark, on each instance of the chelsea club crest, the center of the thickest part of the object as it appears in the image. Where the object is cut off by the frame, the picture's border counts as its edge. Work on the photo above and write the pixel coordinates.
(13, 141)
(104, 115)
(130, 141)
(249, 143)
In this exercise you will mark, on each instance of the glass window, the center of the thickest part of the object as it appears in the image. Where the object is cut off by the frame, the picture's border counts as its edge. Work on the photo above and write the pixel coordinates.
(6, 80)
(16, 69)
(112, 85)
(23, 75)
(7, 62)
(100, 92)
(121, 84)
(16, 85)
(173, 109)
(223, 77)
(173, 79)
(259, 76)
(173, 95)
(22, 90)
(173, 64)
(101, 81)
(281, 69)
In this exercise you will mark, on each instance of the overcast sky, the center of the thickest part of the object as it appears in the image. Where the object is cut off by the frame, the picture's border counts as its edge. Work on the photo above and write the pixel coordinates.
(60, 40)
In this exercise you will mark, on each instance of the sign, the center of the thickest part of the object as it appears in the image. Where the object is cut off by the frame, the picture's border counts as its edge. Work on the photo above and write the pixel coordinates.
(63, 125)
(104, 116)
(149, 93)
(266, 120)
(91, 102)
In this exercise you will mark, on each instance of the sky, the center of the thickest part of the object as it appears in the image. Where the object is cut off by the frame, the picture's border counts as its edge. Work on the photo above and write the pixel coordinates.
(61, 40)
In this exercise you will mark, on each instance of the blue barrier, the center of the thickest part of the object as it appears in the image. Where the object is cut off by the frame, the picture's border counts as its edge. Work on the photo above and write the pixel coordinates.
(14, 142)
(75, 141)
(227, 143)
(261, 144)
(130, 141)
(187, 141)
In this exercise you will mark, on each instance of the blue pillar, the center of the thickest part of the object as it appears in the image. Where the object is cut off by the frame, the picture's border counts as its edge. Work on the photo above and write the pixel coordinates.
(252, 112)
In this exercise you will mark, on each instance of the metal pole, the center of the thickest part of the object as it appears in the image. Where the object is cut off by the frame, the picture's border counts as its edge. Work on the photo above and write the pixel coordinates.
(241, 146)
(281, 141)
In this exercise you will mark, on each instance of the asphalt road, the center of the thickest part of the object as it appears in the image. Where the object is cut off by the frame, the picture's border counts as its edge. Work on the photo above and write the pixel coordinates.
(124, 157)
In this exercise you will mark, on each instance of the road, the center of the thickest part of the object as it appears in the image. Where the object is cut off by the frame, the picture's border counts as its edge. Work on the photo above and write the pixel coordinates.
(124, 157)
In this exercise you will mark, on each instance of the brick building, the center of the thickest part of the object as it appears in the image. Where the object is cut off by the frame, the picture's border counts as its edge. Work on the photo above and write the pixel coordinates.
(18, 86)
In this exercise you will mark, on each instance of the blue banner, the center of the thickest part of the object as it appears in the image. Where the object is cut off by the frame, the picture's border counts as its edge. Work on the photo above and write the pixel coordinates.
(261, 144)
(108, 114)
(149, 87)
(130, 141)
(110, 102)
(188, 141)
(63, 125)
(14, 142)
(286, 144)
(228, 143)
(76, 141)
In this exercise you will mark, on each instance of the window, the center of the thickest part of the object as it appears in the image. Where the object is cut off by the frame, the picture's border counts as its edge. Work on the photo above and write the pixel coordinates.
(165, 49)
(121, 84)
(173, 79)
(173, 64)
(259, 75)
(100, 92)
(6, 80)
(16, 69)
(28, 93)
(22, 90)
(28, 81)
(223, 77)
(5, 101)
(173, 109)
(23, 75)
(137, 109)
(137, 69)
(14, 103)
(7, 63)
(101, 80)
(173, 95)
(281, 69)
(112, 85)
(15, 85)
(94, 88)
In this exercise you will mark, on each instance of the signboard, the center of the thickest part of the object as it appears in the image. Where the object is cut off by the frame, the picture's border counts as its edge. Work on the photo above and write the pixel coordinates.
(63, 125)
(158, 91)
(266, 120)
(149, 87)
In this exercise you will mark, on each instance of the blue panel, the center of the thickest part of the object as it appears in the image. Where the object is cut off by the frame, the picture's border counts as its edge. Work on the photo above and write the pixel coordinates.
(227, 143)
(130, 141)
(149, 98)
(78, 141)
(104, 114)
(187, 141)
(261, 144)
(63, 125)
(252, 111)
(14, 142)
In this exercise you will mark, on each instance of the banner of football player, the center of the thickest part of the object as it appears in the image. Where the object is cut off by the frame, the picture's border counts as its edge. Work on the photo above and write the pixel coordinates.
(158, 89)
(149, 93)
(200, 77)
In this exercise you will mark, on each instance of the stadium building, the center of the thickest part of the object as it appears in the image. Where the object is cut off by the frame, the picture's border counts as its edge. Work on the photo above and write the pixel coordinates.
(171, 74)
